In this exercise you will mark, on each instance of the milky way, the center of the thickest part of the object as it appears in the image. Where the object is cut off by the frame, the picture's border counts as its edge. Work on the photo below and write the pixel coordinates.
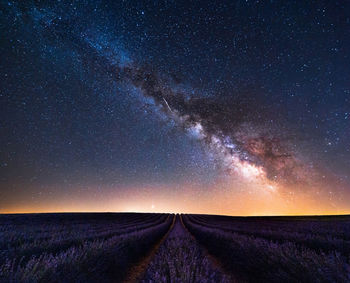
(227, 129)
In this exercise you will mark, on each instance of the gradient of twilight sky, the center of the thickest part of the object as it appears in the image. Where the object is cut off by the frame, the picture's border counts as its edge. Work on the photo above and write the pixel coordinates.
(227, 107)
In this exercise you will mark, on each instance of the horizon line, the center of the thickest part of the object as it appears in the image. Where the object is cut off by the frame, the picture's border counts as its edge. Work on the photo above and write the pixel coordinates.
(100, 212)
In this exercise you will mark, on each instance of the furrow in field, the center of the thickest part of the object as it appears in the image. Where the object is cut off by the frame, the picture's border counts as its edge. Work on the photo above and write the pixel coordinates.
(262, 260)
(105, 260)
(137, 271)
(180, 259)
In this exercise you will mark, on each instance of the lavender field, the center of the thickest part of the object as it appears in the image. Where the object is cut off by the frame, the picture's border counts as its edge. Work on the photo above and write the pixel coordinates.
(135, 247)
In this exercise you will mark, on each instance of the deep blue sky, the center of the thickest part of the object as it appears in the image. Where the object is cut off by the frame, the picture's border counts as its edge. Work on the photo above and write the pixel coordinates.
(68, 121)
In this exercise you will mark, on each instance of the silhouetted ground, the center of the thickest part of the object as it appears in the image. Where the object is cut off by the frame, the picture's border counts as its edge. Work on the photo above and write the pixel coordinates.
(115, 247)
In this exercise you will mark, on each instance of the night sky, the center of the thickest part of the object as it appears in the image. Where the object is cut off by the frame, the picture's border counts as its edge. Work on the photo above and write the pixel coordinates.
(226, 107)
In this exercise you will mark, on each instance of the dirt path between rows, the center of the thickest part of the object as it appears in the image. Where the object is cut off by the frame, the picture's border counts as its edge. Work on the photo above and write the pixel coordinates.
(136, 272)
(181, 259)
(216, 262)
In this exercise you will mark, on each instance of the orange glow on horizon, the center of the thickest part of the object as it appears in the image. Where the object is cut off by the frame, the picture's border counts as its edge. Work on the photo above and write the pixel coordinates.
(249, 201)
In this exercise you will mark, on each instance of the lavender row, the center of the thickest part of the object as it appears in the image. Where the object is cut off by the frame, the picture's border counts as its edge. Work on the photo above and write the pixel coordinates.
(261, 260)
(18, 229)
(59, 242)
(319, 242)
(75, 234)
(180, 259)
(103, 260)
(334, 226)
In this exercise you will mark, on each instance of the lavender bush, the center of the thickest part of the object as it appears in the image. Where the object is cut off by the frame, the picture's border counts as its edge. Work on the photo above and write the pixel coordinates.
(103, 259)
(54, 239)
(262, 260)
(180, 259)
(323, 234)
(104, 247)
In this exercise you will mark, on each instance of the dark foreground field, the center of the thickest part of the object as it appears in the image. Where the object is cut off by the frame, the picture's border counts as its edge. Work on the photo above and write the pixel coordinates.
(133, 247)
